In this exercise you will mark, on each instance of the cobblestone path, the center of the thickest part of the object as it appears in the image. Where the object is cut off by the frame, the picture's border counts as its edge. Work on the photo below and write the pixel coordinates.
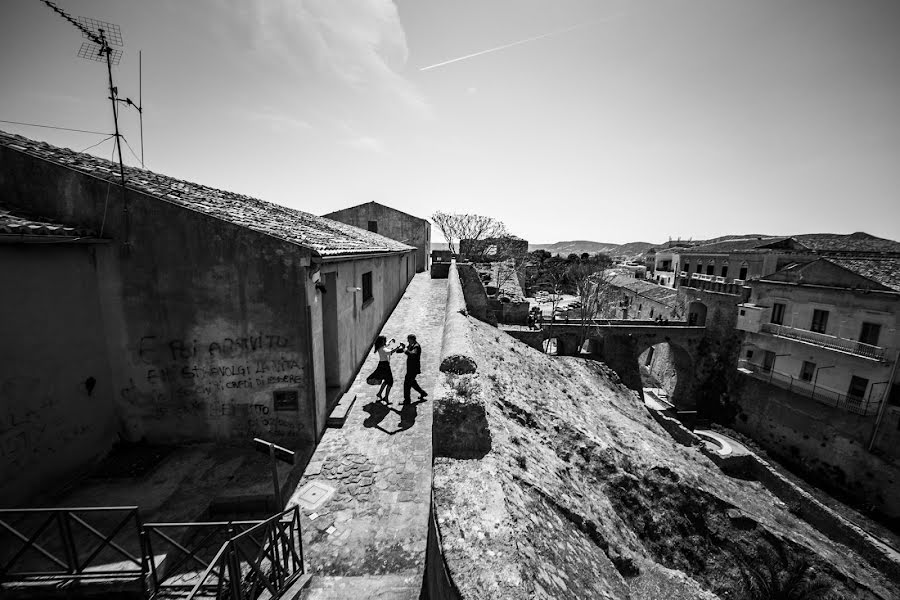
(367, 538)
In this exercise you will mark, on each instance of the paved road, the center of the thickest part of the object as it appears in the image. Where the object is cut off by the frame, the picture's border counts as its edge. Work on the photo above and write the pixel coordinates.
(368, 539)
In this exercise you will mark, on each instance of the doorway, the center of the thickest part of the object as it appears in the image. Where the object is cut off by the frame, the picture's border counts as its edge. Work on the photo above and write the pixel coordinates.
(331, 336)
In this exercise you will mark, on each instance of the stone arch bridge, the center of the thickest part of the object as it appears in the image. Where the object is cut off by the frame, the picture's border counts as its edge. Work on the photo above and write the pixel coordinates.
(620, 343)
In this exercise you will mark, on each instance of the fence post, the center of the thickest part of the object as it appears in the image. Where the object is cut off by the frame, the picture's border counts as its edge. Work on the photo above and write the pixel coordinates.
(68, 542)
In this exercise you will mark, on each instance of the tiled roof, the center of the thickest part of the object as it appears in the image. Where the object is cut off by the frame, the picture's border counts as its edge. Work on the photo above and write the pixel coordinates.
(885, 271)
(324, 236)
(14, 223)
(646, 289)
(733, 245)
(853, 242)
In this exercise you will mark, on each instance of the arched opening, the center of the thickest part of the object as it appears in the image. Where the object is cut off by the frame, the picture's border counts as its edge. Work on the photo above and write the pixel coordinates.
(697, 313)
(666, 374)
(659, 376)
(551, 346)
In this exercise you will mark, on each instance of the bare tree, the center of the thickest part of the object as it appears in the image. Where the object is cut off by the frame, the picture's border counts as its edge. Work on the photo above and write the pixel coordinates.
(478, 228)
(553, 278)
(592, 283)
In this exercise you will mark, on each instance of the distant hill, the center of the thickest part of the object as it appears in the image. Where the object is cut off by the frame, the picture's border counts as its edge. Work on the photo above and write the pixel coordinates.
(582, 246)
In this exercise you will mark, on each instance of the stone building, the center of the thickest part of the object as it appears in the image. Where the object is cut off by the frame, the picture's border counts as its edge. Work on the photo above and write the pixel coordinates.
(177, 313)
(392, 223)
(640, 299)
(491, 249)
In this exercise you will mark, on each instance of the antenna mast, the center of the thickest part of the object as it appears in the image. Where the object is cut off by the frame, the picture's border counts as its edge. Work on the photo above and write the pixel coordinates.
(101, 35)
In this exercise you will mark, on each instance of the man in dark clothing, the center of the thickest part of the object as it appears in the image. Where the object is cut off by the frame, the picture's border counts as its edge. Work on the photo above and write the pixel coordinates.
(413, 368)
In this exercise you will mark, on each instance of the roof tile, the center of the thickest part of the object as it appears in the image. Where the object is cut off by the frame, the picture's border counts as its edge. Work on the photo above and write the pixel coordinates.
(324, 236)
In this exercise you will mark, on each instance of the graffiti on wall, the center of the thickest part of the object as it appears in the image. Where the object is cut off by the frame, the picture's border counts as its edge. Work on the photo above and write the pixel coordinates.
(225, 382)
(32, 426)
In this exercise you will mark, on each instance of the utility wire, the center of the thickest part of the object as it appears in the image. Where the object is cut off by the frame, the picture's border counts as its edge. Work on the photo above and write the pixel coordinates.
(54, 127)
(106, 139)
(131, 149)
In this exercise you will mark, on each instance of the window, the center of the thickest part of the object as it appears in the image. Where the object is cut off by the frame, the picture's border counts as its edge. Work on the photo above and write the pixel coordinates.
(710, 269)
(373, 226)
(367, 287)
(807, 370)
(858, 385)
(768, 360)
(742, 274)
(725, 271)
(819, 321)
(778, 313)
(870, 333)
(743, 312)
(749, 354)
(651, 312)
(700, 267)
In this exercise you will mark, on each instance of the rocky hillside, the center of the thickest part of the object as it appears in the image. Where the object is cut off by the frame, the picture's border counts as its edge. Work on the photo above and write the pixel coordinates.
(552, 481)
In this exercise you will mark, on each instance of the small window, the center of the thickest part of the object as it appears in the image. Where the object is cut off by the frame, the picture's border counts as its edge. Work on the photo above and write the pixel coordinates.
(807, 370)
(819, 321)
(858, 385)
(742, 273)
(699, 267)
(373, 226)
(725, 271)
(749, 354)
(870, 333)
(778, 313)
(711, 269)
(651, 312)
(367, 287)
(743, 312)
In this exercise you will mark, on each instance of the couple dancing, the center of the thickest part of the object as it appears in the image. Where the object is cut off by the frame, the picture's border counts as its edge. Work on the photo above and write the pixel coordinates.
(413, 367)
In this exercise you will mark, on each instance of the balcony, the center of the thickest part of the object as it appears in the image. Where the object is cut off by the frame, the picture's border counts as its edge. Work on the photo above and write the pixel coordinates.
(860, 406)
(826, 341)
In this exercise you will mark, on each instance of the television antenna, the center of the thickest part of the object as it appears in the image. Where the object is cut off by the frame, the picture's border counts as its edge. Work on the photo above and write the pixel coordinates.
(101, 37)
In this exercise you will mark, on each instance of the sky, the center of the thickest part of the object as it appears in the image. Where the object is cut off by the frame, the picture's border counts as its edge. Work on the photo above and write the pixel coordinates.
(634, 120)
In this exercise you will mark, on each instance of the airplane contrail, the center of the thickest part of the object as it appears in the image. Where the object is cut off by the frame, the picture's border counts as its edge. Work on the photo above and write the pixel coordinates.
(511, 44)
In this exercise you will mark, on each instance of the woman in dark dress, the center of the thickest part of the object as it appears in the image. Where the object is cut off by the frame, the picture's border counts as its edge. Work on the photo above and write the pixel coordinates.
(383, 371)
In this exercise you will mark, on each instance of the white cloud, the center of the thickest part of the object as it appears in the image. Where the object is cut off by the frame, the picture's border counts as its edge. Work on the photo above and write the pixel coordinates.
(351, 45)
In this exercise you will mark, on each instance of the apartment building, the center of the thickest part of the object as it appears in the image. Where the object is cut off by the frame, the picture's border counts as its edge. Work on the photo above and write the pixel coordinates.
(827, 329)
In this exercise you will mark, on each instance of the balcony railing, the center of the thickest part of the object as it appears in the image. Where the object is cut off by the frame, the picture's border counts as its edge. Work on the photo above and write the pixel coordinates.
(860, 406)
(825, 341)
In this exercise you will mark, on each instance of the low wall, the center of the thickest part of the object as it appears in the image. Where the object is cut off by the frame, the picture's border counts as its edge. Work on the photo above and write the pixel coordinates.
(511, 313)
(457, 355)
(477, 302)
(827, 444)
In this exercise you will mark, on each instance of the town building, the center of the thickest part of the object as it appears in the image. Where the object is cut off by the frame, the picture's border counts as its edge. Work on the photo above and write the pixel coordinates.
(170, 312)
(634, 298)
(827, 329)
(739, 258)
(392, 223)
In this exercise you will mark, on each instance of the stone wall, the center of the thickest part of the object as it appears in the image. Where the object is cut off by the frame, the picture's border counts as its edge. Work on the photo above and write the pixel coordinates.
(826, 444)
(715, 368)
(477, 302)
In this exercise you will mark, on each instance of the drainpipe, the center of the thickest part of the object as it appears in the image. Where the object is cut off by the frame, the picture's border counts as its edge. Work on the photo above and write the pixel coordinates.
(884, 400)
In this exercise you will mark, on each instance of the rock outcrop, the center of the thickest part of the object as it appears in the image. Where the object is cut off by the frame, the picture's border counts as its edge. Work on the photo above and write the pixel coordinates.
(567, 488)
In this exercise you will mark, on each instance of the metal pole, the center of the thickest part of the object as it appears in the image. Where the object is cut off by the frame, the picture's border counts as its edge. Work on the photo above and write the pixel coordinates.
(276, 487)
(112, 97)
(884, 400)
(141, 105)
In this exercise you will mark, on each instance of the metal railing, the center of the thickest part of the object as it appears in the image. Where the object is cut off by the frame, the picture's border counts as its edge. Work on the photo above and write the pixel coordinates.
(265, 557)
(808, 389)
(228, 560)
(71, 543)
(825, 341)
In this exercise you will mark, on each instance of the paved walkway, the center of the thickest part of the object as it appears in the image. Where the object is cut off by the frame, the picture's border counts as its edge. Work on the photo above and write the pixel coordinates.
(366, 537)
